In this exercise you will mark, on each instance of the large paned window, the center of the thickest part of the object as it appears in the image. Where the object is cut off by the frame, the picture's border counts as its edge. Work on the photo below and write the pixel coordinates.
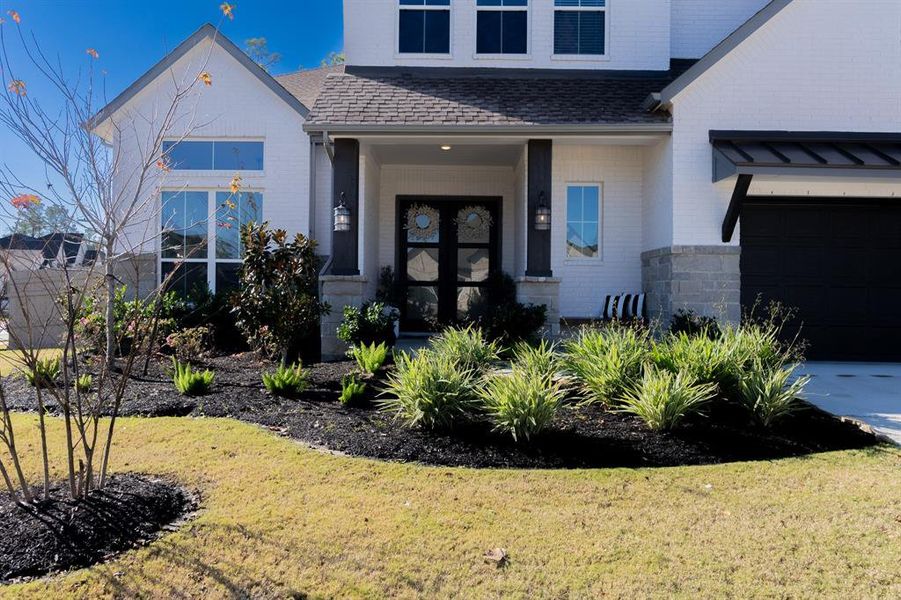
(583, 212)
(580, 27)
(205, 252)
(226, 155)
(424, 27)
(502, 26)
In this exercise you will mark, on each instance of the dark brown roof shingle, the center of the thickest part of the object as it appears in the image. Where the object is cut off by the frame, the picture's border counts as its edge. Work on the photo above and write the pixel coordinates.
(367, 96)
(306, 83)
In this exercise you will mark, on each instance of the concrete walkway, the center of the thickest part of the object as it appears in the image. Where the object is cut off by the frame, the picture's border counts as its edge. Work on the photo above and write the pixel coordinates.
(868, 392)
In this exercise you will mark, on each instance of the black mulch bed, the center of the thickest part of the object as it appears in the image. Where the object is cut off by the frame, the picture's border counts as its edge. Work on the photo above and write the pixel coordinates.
(59, 534)
(580, 436)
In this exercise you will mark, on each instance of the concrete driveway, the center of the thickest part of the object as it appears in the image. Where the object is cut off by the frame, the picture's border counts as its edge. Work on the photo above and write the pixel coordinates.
(868, 392)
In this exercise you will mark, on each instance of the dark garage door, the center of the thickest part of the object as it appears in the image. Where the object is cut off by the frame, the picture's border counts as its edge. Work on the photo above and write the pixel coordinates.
(838, 262)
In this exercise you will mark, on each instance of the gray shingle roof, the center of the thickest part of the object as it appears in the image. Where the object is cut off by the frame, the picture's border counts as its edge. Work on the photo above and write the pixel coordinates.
(306, 83)
(369, 96)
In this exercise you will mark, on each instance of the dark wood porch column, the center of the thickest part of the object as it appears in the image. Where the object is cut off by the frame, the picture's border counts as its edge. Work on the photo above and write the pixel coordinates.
(538, 251)
(346, 180)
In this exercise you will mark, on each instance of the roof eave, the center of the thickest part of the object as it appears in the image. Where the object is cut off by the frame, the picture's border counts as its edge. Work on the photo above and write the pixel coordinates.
(346, 129)
(731, 42)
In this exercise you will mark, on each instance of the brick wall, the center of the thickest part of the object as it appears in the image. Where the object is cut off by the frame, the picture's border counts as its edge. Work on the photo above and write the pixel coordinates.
(699, 25)
(639, 37)
(808, 69)
(585, 282)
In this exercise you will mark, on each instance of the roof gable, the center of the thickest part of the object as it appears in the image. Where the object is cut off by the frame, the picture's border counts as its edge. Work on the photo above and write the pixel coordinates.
(747, 29)
(207, 31)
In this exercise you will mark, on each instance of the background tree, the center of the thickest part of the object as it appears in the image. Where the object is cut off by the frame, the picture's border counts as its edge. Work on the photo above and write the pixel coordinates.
(333, 59)
(38, 219)
(258, 49)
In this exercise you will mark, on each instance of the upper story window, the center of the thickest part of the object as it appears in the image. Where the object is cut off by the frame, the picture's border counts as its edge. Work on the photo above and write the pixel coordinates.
(214, 155)
(580, 27)
(583, 210)
(502, 26)
(424, 27)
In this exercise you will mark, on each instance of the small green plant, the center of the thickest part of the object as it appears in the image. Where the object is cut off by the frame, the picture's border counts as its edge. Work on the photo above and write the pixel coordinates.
(286, 381)
(351, 389)
(769, 394)
(431, 390)
(44, 373)
(190, 343)
(522, 402)
(84, 382)
(370, 358)
(662, 398)
(539, 359)
(467, 346)
(371, 323)
(606, 361)
(691, 323)
(189, 382)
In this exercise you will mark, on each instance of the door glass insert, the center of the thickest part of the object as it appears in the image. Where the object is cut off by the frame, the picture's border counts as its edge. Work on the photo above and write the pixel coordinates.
(466, 297)
(473, 225)
(422, 264)
(473, 264)
(423, 224)
(422, 302)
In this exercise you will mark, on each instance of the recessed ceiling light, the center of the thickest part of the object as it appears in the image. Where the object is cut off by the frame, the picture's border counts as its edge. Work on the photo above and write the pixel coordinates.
(445, 147)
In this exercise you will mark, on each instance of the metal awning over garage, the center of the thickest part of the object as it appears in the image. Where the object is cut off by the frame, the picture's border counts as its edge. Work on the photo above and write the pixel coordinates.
(799, 154)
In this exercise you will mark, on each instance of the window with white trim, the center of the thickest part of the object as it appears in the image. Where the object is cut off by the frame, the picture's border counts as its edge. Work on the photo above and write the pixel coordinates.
(580, 27)
(209, 155)
(423, 27)
(205, 253)
(583, 221)
(502, 26)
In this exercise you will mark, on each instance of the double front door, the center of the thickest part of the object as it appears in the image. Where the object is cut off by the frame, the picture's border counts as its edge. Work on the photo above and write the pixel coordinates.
(447, 249)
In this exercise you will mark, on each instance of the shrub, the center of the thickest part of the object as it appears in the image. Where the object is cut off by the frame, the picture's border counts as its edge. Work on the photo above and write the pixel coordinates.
(467, 347)
(370, 358)
(430, 390)
(501, 317)
(44, 373)
(768, 393)
(189, 382)
(277, 304)
(286, 381)
(84, 382)
(351, 389)
(521, 403)
(690, 323)
(215, 312)
(702, 358)
(372, 323)
(662, 399)
(606, 361)
(189, 344)
(539, 360)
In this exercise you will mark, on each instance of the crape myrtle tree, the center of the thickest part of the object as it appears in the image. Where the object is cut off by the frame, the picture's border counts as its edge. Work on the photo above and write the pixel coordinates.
(113, 197)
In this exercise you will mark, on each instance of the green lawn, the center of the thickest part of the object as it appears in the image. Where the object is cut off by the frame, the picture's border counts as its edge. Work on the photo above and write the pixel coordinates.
(279, 519)
(11, 360)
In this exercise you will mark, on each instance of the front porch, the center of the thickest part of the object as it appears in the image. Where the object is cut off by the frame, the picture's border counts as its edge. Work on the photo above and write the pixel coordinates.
(445, 213)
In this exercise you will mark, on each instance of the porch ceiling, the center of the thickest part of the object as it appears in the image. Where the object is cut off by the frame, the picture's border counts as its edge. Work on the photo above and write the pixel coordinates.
(459, 154)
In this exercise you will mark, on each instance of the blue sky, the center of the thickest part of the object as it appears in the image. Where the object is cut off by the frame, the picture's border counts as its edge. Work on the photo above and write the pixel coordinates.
(132, 35)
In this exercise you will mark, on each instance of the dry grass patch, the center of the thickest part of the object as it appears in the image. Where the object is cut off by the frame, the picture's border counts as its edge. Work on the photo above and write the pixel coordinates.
(281, 520)
(11, 360)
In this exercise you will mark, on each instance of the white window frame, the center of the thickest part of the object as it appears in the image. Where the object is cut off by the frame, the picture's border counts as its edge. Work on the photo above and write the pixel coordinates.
(219, 172)
(502, 56)
(212, 210)
(582, 57)
(583, 260)
(422, 55)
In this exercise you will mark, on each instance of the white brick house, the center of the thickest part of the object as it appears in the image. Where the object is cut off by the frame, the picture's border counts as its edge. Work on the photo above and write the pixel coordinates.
(653, 130)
